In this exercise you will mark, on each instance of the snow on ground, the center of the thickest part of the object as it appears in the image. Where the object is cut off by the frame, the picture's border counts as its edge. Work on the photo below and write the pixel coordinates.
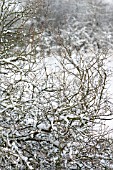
(109, 123)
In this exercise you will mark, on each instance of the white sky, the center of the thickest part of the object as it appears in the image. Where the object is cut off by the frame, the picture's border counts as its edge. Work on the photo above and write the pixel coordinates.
(108, 1)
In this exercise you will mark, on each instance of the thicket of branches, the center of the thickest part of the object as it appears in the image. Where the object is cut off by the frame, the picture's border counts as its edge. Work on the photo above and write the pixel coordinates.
(53, 93)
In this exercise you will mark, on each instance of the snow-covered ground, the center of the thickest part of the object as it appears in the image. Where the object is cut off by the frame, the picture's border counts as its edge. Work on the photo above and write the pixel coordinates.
(109, 123)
